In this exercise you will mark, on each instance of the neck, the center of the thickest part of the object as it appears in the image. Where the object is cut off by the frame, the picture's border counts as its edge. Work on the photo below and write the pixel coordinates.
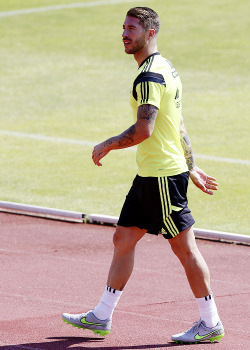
(141, 55)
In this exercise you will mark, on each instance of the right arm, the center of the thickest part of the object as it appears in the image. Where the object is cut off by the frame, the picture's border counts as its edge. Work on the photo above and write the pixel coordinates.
(136, 133)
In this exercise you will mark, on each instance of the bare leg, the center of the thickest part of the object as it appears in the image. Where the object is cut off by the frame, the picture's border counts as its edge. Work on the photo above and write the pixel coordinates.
(185, 248)
(125, 239)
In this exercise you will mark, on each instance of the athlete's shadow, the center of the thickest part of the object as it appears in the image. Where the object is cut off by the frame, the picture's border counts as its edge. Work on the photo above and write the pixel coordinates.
(79, 343)
(55, 343)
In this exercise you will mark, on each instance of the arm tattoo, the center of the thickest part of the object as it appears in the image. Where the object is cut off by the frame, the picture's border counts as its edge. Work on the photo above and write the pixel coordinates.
(147, 113)
(125, 139)
(188, 151)
(132, 136)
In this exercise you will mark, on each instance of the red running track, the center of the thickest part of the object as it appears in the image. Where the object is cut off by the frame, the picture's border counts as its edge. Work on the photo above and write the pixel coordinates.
(50, 267)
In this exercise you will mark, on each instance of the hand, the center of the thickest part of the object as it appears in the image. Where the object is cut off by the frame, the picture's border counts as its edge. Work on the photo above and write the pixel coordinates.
(203, 181)
(99, 152)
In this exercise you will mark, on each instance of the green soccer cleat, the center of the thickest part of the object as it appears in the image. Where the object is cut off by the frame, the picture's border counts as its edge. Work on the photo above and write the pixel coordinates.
(200, 333)
(89, 321)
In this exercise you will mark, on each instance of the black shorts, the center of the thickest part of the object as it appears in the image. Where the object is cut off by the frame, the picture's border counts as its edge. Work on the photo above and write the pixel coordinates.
(158, 204)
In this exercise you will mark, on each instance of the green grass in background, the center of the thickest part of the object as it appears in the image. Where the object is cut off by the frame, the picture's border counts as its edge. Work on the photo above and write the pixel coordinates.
(64, 74)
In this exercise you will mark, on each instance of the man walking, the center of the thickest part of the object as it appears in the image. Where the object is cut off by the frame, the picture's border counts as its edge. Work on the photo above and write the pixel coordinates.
(157, 200)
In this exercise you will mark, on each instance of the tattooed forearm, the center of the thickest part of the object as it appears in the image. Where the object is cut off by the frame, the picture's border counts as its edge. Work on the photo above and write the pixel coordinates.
(187, 147)
(138, 132)
(125, 139)
(188, 152)
(135, 134)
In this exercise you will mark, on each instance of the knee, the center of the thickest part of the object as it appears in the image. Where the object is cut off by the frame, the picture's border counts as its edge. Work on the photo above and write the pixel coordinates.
(184, 245)
(125, 238)
(185, 252)
(121, 241)
(117, 238)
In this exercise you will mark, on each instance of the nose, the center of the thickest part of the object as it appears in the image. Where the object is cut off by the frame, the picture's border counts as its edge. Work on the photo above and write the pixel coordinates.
(124, 35)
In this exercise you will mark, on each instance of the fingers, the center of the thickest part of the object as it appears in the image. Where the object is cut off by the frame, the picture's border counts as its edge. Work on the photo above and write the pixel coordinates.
(207, 191)
(98, 153)
(98, 163)
(213, 188)
(204, 188)
(207, 186)
(96, 158)
(211, 180)
(204, 182)
(210, 186)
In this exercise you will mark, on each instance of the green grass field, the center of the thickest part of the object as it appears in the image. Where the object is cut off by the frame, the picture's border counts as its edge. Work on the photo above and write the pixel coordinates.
(61, 77)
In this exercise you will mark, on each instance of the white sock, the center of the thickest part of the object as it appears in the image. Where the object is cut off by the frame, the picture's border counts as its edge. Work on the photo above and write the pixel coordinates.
(107, 304)
(208, 310)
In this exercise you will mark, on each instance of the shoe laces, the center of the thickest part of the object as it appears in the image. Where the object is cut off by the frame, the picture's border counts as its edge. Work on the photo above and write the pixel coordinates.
(196, 325)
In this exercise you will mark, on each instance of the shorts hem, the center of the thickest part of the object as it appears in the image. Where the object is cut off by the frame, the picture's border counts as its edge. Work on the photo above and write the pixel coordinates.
(131, 225)
(168, 236)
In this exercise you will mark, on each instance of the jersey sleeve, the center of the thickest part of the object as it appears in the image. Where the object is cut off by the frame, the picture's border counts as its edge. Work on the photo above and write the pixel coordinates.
(149, 88)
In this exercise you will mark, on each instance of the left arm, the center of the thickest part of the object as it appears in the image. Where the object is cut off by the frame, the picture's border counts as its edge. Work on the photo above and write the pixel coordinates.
(186, 145)
(204, 182)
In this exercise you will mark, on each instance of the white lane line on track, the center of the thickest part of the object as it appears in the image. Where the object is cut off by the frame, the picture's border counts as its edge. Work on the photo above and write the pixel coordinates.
(61, 7)
(39, 137)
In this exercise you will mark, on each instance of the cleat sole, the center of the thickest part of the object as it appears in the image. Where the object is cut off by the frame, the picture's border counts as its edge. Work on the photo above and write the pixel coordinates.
(212, 340)
(217, 338)
(96, 331)
(99, 332)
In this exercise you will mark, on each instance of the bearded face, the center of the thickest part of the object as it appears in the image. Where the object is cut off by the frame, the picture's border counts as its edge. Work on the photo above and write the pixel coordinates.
(134, 35)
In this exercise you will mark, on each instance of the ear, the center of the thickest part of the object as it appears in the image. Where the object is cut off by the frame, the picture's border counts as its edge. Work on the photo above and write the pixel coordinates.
(151, 33)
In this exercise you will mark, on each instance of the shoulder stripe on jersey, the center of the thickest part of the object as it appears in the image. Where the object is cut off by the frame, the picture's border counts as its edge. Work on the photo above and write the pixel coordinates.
(144, 91)
(153, 54)
(148, 64)
(143, 79)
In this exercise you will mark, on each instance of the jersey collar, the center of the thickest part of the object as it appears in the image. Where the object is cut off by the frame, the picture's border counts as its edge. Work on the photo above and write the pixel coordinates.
(153, 54)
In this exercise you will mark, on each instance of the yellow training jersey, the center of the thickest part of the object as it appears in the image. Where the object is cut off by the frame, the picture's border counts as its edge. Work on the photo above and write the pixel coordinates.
(157, 83)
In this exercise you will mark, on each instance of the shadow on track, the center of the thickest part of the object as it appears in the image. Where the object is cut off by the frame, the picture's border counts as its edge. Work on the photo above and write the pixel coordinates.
(64, 343)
